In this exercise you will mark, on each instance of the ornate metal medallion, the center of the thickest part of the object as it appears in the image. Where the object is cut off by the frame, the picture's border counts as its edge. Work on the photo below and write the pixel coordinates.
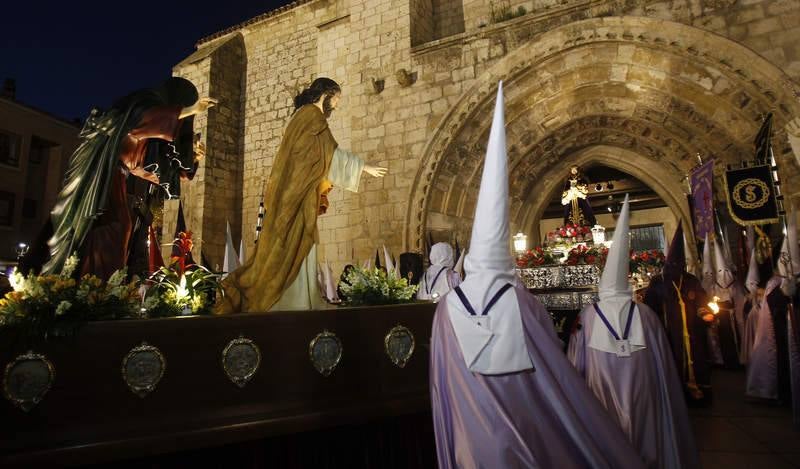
(325, 352)
(27, 379)
(142, 368)
(240, 360)
(399, 345)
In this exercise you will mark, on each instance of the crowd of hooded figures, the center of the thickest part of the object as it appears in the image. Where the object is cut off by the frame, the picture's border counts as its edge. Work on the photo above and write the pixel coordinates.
(504, 394)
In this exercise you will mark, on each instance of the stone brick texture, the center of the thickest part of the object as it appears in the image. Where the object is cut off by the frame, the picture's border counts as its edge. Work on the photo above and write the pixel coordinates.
(642, 86)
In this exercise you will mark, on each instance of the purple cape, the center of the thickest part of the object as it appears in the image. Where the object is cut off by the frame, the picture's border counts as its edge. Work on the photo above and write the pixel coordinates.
(642, 392)
(751, 324)
(774, 368)
(662, 298)
(762, 369)
(547, 418)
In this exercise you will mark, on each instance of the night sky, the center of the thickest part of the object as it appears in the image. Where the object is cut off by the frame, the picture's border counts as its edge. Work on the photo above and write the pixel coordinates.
(68, 56)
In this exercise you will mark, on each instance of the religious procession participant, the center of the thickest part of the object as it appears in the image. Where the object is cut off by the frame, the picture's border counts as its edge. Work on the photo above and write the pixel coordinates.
(681, 304)
(728, 294)
(708, 282)
(751, 307)
(774, 360)
(502, 392)
(281, 273)
(621, 350)
(440, 277)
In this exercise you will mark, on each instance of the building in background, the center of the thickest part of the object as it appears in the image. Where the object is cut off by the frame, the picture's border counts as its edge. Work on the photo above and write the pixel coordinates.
(638, 87)
(34, 151)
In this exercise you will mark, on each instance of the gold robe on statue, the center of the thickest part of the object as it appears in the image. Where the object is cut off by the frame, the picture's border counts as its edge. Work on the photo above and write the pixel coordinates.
(295, 195)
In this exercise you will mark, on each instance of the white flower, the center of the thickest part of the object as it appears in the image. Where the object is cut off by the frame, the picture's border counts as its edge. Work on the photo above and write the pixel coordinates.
(32, 288)
(17, 280)
(69, 265)
(63, 307)
(118, 277)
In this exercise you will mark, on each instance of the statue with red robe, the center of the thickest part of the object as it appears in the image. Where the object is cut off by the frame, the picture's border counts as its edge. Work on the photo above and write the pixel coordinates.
(92, 216)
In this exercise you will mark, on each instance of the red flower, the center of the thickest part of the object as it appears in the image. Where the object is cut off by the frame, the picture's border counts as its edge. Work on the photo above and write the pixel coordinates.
(184, 244)
(590, 259)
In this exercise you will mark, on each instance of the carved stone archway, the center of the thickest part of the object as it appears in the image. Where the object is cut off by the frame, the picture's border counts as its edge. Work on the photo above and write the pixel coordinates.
(670, 190)
(639, 94)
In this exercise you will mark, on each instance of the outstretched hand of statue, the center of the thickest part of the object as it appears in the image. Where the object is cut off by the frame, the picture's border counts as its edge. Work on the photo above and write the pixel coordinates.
(375, 171)
(202, 105)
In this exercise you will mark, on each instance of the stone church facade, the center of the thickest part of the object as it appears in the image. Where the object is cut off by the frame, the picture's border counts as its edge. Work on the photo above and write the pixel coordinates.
(640, 86)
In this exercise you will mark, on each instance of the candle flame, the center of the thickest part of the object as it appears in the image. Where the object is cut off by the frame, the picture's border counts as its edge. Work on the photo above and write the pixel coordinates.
(713, 305)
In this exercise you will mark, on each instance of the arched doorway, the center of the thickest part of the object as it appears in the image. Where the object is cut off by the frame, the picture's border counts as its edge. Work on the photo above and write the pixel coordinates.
(641, 95)
(669, 190)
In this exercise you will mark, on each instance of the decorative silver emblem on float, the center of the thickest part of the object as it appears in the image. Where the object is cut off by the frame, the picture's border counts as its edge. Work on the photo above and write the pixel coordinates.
(142, 368)
(325, 352)
(27, 379)
(240, 360)
(399, 345)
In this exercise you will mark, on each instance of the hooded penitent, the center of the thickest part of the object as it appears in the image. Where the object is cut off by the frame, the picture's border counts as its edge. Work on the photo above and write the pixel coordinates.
(637, 384)
(730, 321)
(489, 266)
(437, 280)
(675, 263)
(724, 274)
(752, 274)
(750, 308)
(680, 301)
(616, 296)
(491, 408)
(794, 249)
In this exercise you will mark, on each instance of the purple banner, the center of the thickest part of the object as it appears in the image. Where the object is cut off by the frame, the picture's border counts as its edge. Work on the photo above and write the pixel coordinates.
(703, 200)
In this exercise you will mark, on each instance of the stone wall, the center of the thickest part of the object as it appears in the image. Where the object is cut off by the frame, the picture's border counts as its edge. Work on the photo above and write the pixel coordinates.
(668, 91)
(214, 196)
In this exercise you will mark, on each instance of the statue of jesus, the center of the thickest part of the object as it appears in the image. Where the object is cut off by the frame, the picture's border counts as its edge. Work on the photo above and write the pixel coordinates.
(282, 272)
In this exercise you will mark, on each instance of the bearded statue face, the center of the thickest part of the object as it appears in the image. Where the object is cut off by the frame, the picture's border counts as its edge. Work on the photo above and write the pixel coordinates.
(329, 103)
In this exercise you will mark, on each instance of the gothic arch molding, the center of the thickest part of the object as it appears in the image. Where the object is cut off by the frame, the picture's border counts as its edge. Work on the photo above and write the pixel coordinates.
(762, 85)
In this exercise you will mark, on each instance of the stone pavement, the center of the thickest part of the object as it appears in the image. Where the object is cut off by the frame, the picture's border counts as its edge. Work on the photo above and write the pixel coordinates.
(734, 433)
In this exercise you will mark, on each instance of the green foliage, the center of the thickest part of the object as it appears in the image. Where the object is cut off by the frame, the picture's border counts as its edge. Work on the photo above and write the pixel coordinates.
(42, 306)
(376, 287)
(171, 293)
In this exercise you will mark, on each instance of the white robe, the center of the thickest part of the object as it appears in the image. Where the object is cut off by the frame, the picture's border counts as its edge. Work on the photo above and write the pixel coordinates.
(303, 293)
(446, 281)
